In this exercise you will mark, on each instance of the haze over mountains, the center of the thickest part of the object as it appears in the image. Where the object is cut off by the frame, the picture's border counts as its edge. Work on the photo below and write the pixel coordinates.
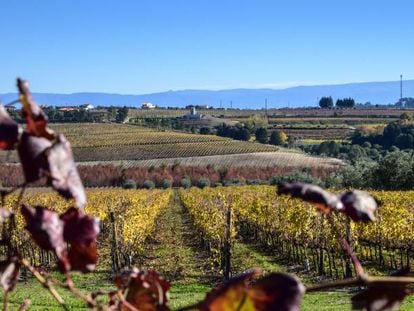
(301, 96)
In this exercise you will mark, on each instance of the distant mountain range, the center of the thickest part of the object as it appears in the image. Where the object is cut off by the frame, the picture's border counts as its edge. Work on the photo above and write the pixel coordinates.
(300, 96)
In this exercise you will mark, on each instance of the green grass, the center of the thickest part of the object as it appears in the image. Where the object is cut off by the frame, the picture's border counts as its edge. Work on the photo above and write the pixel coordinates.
(41, 299)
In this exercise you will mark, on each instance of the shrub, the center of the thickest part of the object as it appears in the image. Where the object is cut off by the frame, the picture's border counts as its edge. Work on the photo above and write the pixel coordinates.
(149, 184)
(129, 184)
(203, 182)
(186, 183)
(257, 182)
(296, 176)
(232, 182)
(166, 183)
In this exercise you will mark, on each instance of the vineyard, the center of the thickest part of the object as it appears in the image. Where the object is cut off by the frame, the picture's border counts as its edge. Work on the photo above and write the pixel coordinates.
(132, 146)
(258, 215)
(112, 142)
(127, 219)
(329, 133)
(287, 227)
(131, 220)
(282, 158)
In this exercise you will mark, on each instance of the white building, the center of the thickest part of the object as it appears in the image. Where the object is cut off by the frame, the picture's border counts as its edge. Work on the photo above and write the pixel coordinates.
(147, 106)
(87, 107)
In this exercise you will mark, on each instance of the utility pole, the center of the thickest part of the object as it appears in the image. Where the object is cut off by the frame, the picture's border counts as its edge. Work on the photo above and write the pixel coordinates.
(266, 108)
(231, 104)
(401, 93)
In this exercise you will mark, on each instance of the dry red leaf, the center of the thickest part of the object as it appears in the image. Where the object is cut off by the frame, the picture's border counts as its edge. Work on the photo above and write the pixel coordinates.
(63, 174)
(36, 119)
(359, 205)
(79, 227)
(4, 214)
(9, 273)
(277, 291)
(230, 295)
(46, 228)
(380, 297)
(146, 291)
(83, 256)
(9, 130)
(42, 158)
(322, 199)
(32, 155)
(81, 232)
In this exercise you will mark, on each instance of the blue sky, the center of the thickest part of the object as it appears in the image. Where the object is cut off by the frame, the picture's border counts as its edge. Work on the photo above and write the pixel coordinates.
(135, 47)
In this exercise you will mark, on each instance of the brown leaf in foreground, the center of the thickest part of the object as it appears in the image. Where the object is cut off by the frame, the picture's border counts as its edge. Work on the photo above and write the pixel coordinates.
(36, 119)
(230, 295)
(42, 158)
(9, 130)
(146, 291)
(64, 176)
(380, 297)
(46, 228)
(322, 199)
(83, 257)
(9, 273)
(81, 232)
(277, 291)
(357, 205)
(31, 151)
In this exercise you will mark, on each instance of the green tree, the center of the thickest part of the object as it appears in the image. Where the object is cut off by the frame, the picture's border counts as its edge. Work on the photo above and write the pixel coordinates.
(205, 130)
(326, 102)
(261, 135)
(278, 138)
(121, 114)
(394, 171)
(345, 103)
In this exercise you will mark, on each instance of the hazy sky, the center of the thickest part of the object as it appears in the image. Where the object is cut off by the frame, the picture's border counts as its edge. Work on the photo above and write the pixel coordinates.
(135, 47)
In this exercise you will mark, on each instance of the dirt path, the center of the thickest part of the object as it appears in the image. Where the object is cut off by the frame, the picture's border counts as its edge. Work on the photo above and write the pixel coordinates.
(174, 250)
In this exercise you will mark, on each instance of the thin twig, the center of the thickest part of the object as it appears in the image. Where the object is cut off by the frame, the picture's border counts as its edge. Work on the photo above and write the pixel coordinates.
(346, 247)
(125, 303)
(335, 284)
(357, 264)
(25, 304)
(364, 281)
(71, 287)
(20, 197)
(45, 283)
(6, 300)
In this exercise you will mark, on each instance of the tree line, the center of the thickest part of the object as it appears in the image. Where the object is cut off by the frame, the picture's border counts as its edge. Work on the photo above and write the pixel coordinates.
(327, 102)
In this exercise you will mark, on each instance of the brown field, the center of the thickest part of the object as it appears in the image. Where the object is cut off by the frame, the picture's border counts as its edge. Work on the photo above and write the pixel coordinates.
(259, 159)
(284, 112)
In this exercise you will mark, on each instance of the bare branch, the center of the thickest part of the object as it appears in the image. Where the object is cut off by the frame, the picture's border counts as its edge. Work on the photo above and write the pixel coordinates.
(46, 284)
